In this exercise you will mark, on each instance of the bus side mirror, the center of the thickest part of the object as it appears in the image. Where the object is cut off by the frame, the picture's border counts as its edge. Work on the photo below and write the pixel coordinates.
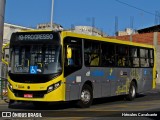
(69, 53)
(5, 55)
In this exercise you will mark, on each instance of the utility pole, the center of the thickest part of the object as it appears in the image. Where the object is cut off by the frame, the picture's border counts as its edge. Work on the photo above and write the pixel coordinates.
(116, 25)
(131, 25)
(2, 11)
(93, 25)
(52, 14)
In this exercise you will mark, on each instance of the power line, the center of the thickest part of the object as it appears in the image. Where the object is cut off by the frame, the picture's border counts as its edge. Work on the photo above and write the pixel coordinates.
(135, 7)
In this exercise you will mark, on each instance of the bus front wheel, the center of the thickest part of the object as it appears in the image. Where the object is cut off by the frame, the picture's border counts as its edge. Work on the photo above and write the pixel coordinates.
(86, 97)
(132, 92)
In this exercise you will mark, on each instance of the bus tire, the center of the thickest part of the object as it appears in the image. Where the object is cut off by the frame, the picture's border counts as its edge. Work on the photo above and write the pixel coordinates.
(11, 102)
(86, 97)
(132, 92)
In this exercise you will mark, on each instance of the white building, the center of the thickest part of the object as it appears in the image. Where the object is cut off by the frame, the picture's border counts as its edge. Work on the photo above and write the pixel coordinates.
(128, 31)
(47, 26)
(9, 29)
(88, 30)
(7, 32)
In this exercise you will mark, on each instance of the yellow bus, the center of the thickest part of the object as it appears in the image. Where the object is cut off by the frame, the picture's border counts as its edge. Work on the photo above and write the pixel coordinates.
(51, 66)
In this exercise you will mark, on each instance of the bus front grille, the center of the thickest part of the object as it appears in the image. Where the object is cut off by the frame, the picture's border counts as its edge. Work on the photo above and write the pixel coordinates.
(35, 94)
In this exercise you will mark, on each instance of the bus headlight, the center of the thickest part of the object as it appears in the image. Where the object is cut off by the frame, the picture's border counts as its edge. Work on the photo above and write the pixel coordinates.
(10, 86)
(54, 86)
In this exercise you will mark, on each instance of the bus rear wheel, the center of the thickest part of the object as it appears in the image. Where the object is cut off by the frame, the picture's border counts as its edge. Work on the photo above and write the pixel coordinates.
(132, 92)
(86, 97)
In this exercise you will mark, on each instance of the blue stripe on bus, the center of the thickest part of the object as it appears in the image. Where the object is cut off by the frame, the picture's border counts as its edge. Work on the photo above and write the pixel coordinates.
(97, 73)
(111, 77)
(71, 78)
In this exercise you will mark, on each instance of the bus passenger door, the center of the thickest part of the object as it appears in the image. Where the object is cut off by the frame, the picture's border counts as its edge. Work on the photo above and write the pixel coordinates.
(146, 57)
(72, 66)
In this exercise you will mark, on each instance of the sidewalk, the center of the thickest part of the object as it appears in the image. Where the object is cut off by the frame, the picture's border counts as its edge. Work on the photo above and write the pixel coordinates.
(158, 86)
(2, 102)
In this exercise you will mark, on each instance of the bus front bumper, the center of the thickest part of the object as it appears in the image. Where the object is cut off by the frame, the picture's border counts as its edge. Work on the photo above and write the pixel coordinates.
(37, 95)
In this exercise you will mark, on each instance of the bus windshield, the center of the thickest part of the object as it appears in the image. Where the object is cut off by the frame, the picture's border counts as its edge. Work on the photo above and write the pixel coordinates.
(36, 59)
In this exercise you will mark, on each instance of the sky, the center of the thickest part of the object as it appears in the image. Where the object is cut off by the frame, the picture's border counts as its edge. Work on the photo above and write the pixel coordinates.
(136, 14)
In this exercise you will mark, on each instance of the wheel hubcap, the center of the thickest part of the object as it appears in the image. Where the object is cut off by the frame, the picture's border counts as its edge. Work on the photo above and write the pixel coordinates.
(133, 91)
(85, 96)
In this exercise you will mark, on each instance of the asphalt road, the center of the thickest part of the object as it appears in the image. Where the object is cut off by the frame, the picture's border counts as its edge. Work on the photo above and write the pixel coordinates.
(102, 109)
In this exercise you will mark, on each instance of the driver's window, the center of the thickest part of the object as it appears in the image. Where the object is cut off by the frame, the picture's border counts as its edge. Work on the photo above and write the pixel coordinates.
(72, 54)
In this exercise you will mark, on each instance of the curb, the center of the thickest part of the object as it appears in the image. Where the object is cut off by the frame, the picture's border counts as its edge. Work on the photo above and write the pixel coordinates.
(2, 102)
(158, 86)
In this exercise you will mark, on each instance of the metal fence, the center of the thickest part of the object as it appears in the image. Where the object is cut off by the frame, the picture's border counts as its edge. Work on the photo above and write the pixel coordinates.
(3, 80)
(3, 87)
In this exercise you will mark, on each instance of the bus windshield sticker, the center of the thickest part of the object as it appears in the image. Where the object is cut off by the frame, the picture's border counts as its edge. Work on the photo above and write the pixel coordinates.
(33, 69)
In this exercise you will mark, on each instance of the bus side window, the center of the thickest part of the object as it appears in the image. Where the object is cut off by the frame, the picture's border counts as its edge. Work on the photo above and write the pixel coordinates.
(91, 53)
(87, 59)
(94, 60)
(122, 52)
(151, 56)
(121, 61)
(134, 57)
(107, 55)
(72, 55)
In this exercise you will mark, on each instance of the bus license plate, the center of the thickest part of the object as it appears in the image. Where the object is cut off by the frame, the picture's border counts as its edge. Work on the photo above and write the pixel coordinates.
(28, 95)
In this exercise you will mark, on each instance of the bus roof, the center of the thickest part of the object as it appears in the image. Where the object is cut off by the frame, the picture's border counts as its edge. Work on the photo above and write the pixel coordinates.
(112, 40)
(35, 30)
(118, 41)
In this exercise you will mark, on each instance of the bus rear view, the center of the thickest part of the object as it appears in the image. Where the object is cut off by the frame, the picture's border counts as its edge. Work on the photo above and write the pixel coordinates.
(35, 69)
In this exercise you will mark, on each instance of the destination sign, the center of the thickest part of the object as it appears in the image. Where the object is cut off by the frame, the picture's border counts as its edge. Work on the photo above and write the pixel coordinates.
(34, 37)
